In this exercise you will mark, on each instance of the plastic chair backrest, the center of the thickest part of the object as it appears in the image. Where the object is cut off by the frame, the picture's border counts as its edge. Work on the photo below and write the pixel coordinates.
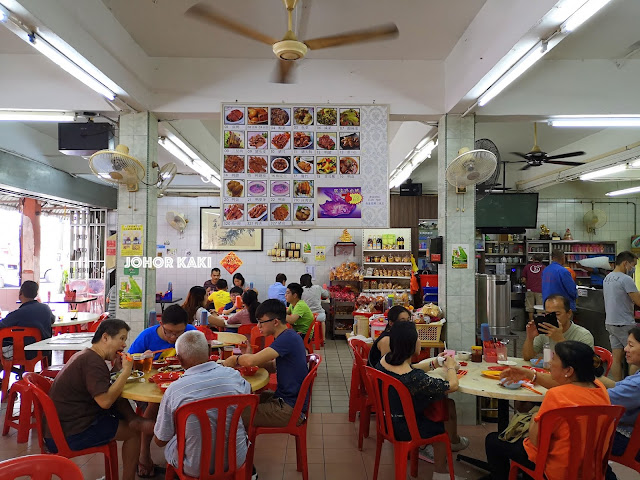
(39, 380)
(93, 326)
(18, 334)
(360, 348)
(257, 338)
(606, 356)
(246, 329)
(591, 430)
(40, 467)
(207, 332)
(305, 389)
(632, 451)
(378, 385)
(308, 344)
(235, 404)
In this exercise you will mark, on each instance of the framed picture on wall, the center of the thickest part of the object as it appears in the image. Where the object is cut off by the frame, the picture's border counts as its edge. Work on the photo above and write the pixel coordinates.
(214, 238)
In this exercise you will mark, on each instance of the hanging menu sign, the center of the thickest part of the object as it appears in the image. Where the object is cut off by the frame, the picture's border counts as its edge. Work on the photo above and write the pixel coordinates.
(304, 165)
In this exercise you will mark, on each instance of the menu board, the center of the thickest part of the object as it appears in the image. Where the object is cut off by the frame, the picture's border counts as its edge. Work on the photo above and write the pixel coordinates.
(304, 165)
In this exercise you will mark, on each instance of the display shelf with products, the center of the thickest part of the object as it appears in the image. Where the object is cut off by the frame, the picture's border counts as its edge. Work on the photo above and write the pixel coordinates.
(386, 269)
(343, 294)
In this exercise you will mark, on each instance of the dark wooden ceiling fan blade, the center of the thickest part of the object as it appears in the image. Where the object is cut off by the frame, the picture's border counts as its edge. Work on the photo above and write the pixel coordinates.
(283, 71)
(206, 14)
(557, 162)
(522, 155)
(389, 30)
(526, 167)
(566, 155)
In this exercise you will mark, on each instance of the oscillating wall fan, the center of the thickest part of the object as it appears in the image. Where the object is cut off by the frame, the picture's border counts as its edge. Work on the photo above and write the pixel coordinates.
(165, 176)
(177, 221)
(594, 219)
(471, 167)
(117, 166)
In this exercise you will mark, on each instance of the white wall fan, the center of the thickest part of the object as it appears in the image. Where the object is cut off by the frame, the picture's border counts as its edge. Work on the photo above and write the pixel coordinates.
(594, 219)
(118, 167)
(177, 221)
(469, 168)
(166, 174)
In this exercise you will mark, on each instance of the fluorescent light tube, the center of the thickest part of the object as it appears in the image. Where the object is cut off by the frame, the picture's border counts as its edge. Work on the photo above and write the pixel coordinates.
(174, 150)
(584, 13)
(36, 116)
(626, 191)
(4, 14)
(521, 66)
(604, 172)
(635, 163)
(596, 121)
(69, 66)
(171, 145)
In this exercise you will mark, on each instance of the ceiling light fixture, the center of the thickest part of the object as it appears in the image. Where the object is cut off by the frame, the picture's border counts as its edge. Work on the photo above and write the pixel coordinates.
(521, 66)
(176, 147)
(419, 154)
(36, 116)
(584, 13)
(625, 191)
(69, 66)
(4, 14)
(596, 121)
(603, 172)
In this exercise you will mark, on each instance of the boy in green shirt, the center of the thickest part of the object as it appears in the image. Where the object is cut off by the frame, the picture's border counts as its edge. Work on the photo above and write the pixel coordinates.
(298, 314)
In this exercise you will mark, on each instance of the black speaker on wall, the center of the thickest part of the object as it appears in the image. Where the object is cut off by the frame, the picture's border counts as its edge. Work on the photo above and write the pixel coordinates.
(83, 139)
(410, 189)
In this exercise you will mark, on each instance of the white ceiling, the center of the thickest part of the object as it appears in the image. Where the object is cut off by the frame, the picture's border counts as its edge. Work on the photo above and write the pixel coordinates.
(182, 70)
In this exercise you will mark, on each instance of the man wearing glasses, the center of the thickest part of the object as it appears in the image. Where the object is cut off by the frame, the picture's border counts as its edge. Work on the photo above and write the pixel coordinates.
(158, 337)
(288, 354)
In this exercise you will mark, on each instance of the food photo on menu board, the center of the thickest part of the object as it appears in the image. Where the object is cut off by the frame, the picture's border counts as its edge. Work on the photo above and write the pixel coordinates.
(258, 163)
(339, 202)
(303, 165)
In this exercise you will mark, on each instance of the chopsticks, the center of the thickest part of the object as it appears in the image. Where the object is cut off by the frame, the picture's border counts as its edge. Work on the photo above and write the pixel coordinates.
(532, 389)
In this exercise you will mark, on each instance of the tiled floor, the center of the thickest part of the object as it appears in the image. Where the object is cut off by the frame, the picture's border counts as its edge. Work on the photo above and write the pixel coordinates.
(332, 441)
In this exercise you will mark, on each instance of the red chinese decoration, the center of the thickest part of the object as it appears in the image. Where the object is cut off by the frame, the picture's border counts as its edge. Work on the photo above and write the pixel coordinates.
(231, 262)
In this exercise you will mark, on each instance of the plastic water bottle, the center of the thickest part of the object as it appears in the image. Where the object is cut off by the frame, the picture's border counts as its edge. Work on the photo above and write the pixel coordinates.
(546, 356)
(204, 318)
(152, 318)
(170, 289)
(250, 285)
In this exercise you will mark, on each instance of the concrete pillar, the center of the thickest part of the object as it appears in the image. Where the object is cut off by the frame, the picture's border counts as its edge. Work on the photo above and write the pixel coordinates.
(456, 223)
(30, 240)
(139, 132)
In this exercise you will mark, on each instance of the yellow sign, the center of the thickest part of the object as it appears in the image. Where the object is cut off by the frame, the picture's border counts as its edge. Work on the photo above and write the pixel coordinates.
(320, 253)
(131, 243)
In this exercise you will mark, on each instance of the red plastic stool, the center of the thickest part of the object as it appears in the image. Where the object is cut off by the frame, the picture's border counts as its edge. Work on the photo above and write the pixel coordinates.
(22, 421)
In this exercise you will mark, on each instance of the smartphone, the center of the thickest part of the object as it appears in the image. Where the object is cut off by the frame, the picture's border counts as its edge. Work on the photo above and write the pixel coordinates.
(548, 318)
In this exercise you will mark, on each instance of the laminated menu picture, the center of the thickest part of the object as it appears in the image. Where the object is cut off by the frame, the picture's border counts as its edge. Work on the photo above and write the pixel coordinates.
(339, 202)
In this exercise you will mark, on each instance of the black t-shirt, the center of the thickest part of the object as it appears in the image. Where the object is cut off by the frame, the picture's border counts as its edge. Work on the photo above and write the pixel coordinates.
(374, 354)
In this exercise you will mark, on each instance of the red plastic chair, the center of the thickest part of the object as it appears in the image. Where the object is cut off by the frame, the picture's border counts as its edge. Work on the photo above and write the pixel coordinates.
(318, 339)
(245, 329)
(591, 430)
(22, 422)
(360, 400)
(18, 334)
(258, 340)
(198, 409)
(606, 356)
(298, 431)
(93, 326)
(308, 342)
(378, 386)
(44, 406)
(632, 452)
(40, 467)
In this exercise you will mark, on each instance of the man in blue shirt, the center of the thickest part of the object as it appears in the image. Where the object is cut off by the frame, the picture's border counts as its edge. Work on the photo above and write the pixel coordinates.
(557, 280)
(30, 314)
(278, 289)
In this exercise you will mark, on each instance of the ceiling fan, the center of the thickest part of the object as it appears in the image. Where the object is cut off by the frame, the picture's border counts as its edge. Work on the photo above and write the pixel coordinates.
(537, 157)
(290, 49)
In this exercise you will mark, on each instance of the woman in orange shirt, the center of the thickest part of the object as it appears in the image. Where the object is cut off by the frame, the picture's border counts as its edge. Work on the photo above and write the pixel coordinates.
(575, 368)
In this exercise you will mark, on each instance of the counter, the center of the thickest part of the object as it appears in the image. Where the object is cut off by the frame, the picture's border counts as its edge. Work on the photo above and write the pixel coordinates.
(591, 314)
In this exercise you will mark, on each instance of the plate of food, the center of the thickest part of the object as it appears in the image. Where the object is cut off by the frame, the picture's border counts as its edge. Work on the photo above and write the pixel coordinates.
(257, 139)
(257, 115)
(257, 164)
(280, 188)
(233, 163)
(326, 165)
(350, 141)
(302, 139)
(327, 116)
(279, 212)
(134, 376)
(165, 377)
(507, 363)
(233, 211)
(233, 139)
(257, 211)
(304, 213)
(303, 115)
(171, 368)
(349, 117)
(280, 165)
(303, 164)
(257, 188)
(234, 115)
(280, 140)
(172, 360)
(235, 188)
(349, 165)
(326, 141)
(280, 116)
(303, 188)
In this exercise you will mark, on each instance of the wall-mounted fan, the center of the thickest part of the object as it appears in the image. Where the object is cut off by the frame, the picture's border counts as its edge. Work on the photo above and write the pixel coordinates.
(594, 219)
(471, 167)
(177, 221)
(290, 48)
(491, 184)
(166, 174)
(117, 166)
(537, 157)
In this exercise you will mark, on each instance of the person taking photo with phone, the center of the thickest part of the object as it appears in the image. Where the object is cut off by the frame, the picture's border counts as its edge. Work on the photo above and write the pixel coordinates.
(557, 326)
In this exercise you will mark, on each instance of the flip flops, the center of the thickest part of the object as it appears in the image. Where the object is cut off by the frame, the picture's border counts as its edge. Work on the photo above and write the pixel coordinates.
(144, 472)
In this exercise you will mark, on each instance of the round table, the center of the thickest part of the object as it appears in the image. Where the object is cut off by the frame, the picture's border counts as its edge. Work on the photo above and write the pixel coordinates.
(231, 338)
(75, 318)
(146, 391)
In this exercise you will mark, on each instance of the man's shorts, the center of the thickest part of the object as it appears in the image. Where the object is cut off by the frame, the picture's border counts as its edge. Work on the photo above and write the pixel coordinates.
(618, 335)
(531, 299)
(100, 432)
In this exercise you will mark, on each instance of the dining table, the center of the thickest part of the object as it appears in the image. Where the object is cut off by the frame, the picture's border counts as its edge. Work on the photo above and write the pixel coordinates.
(63, 342)
(144, 390)
(75, 318)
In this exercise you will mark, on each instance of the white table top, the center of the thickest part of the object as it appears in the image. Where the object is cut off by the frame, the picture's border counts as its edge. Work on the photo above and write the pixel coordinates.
(473, 383)
(76, 318)
(66, 341)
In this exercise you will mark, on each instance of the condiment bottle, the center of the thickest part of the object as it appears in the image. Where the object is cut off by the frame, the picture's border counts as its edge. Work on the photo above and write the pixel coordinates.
(476, 354)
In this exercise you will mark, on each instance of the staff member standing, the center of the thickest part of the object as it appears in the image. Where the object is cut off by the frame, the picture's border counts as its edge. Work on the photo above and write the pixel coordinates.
(556, 280)
(620, 294)
(532, 276)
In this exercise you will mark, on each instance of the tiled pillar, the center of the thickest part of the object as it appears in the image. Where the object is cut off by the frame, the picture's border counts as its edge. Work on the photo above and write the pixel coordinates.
(456, 223)
(139, 132)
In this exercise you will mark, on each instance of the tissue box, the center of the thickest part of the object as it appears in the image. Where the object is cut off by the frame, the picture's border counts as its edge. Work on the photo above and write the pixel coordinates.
(167, 297)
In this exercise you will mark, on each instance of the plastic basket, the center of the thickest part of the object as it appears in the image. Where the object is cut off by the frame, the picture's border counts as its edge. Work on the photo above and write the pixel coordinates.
(429, 332)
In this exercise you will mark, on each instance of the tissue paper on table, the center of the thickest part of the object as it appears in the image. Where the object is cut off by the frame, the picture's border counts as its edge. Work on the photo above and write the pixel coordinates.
(596, 262)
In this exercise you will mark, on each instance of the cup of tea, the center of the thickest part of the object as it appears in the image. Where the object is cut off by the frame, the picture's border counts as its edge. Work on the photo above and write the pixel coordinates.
(137, 361)
(227, 352)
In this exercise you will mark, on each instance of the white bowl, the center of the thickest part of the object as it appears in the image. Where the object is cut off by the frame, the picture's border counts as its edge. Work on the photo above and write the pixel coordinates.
(463, 356)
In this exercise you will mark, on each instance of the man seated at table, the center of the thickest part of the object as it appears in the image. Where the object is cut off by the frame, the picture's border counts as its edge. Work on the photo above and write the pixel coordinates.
(567, 330)
(158, 337)
(90, 408)
(210, 285)
(288, 354)
(31, 313)
(299, 315)
(278, 290)
(202, 379)
(230, 307)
